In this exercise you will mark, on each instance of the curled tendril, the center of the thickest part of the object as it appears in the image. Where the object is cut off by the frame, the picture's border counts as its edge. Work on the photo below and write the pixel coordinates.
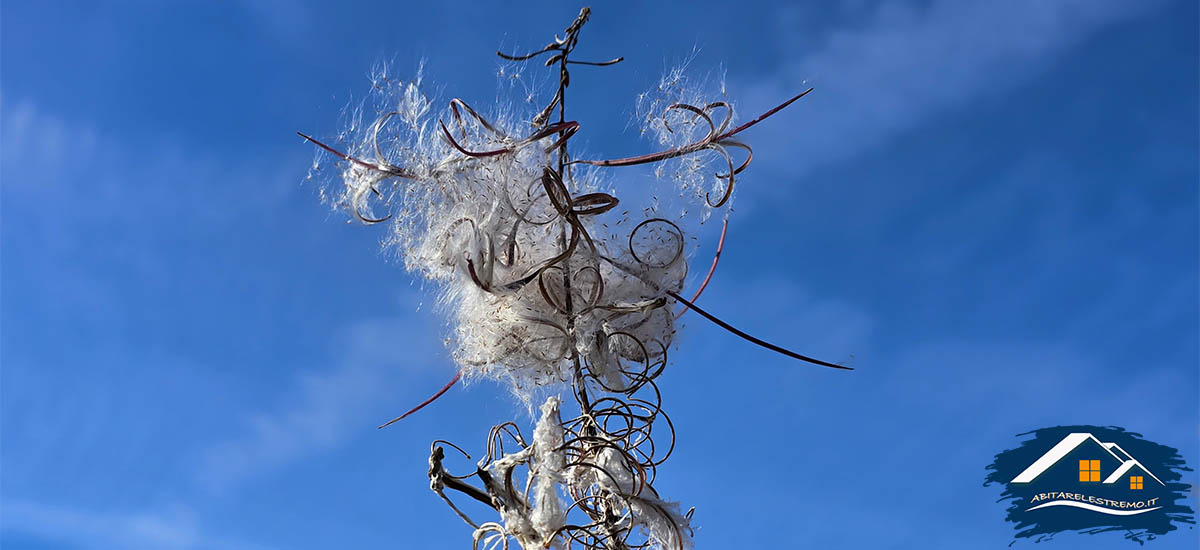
(610, 449)
(717, 140)
(647, 226)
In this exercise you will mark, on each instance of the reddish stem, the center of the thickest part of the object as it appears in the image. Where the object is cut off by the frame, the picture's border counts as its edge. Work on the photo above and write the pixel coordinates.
(711, 269)
(691, 148)
(763, 116)
(360, 162)
(440, 392)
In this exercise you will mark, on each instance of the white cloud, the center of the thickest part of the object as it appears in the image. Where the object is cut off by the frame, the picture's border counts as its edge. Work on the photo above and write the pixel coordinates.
(67, 183)
(907, 63)
(324, 409)
(163, 530)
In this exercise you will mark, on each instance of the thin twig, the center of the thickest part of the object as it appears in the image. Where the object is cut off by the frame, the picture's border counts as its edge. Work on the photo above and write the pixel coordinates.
(433, 398)
(711, 269)
(752, 339)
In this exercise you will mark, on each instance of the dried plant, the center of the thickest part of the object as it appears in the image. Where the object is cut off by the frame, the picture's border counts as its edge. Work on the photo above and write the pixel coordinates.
(549, 286)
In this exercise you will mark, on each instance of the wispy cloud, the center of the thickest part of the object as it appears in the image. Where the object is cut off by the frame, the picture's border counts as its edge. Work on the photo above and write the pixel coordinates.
(119, 230)
(322, 409)
(907, 62)
(177, 528)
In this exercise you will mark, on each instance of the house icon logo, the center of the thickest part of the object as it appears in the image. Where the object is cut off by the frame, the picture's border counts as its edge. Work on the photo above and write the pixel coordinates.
(1103, 463)
(1092, 479)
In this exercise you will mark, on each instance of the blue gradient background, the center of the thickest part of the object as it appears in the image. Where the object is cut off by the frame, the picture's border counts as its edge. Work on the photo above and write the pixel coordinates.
(991, 206)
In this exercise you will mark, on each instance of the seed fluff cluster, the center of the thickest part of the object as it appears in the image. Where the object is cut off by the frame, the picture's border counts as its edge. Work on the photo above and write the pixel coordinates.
(550, 282)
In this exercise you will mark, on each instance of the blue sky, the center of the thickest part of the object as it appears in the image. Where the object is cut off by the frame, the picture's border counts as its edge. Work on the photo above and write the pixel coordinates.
(993, 207)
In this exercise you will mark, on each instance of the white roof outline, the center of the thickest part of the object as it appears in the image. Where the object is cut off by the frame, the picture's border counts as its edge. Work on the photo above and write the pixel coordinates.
(1111, 446)
(1128, 465)
(1068, 444)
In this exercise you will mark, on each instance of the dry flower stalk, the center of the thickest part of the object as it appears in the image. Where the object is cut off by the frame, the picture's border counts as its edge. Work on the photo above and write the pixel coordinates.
(543, 293)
